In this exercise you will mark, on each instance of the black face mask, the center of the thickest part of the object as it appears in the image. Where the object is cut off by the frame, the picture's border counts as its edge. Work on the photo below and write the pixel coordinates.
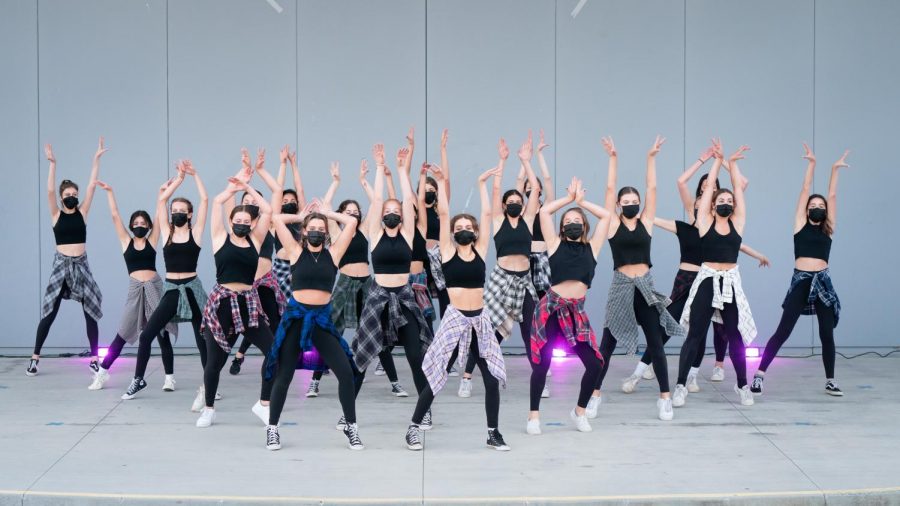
(179, 219)
(464, 237)
(573, 231)
(631, 210)
(513, 210)
(240, 230)
(391, 220)
(724, 210)
(70, 202)
(817, 215)
(289, 208)
(140, 232)
(315, 238)
(253, 210)
(430, 197)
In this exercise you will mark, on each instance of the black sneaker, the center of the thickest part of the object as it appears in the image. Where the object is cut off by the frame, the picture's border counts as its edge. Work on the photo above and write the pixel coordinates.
(414, 437)
(756, 385)
(32, 367)
(341, 424)
(137, 384)
(831, 388)
(426, 421)
(95, 366)
(236, 366)
(495, 441)
(273, 440)
(351, 430)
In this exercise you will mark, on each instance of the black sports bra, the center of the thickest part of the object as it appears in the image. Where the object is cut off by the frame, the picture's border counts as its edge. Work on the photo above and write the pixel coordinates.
(572, 261)
(513, 241)
(459, 273)
(181, 256)
(140, 259)
(392, 255)
(812, 242)
(630, 247)
(357, 252)
(433, 230)
(419, 248)
(689, 243)
(70, 228)
(268, 247)
(721, 248)
(235, 264)
(313, 271)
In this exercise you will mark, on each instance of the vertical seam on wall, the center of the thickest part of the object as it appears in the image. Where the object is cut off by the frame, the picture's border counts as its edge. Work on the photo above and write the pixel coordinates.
(813, 321)
(37, 50)
(168, 106)
(555, 78)
(297, 76)
(426, 85)
(684, 95)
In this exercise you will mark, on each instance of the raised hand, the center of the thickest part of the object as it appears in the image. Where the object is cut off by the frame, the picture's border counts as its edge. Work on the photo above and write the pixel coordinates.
(411, 138)
(842, 161)
(657, 144)
(572, 189)
(707, 154)
(237, 183)
(541, 143)
(808, 154)
(579, 192)
(402, 155)
(335, 172)
(284, 154)
(100, 149)
(315, 206)
(436, 172)
(494, 171)
(105, 186)
(503, 149)
(188, 167)
(739, 154)
(245, 159)
(609, 146)
(165, 185)
(293, 158)
(260, 158)
(378, 154)
(444, 135)
(717, 148)
(363, 169)
(48, 152)
(525, 150)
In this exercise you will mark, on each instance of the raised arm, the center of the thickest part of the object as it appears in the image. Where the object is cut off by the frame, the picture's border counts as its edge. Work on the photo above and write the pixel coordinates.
(687, 196)
(445, 163)
(408, 204)
(121, 232)
(600, 231)
(298, 183)
(800, 212)
(284, 234)
(763, 260)
(667, 225)
(520, 179)
(832, 189)
(611, 174)
(51, 183)
(497, 197)
(335, 171)
(282, 170)
(92, 182)
(650, 200)
(244, 175)
(374, 216)
(447, 247)
(548, 187)
(525, 152)
(160, 216)
(274, 186)
(740, 203)
(484, 237)
(162, 200)
(265, 210)
(200, 223)
(342, 242)
(551, 233)
(422, 215)
(217, 230)
(704, 217)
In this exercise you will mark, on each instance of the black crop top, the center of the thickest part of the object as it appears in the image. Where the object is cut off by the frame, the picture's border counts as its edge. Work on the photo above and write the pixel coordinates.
(181, 256)
(235, 264)
(459, 273)
(140, 259)
(812, 242)
(419, 248)
(313, 271)
(433, 230)
(721, 248)
(513, 241)
(537, 233)
(392, 255)
(689, 243)
(630, 247)
(572, 261)
(70, 228)
(357, 252)
(268, 247)
(295, 231)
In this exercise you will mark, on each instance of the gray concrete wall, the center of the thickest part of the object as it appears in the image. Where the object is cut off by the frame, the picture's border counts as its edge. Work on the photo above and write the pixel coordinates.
(166, 80)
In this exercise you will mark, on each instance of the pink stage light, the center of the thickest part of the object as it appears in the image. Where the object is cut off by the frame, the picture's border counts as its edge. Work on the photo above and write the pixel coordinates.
(558, 352)
(752, 353)
(102, 352)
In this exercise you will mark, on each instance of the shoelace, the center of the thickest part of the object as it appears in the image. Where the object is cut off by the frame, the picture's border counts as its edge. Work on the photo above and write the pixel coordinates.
(133, 388)
(412, 436)
(496, 438)
(426, 420)
(352, 432)
(272, 436)
(342, 421)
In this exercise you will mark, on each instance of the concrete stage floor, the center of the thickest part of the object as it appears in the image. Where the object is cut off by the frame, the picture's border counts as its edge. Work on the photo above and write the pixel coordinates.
(63, 444)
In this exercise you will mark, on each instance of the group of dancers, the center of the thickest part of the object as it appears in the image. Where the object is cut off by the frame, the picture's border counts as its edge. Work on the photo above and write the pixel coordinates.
(293, 274)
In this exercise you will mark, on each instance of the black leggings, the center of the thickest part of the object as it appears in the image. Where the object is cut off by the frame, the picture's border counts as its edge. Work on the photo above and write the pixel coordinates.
(720, 340)
(165, 349)
(491, 391)
(269, 306)
(701, 316)
(592, 366)
(408, 337)
(261, 337)
(332, 354)
(43, 328)
(794, 304)
(648, 318)
(528, 305)
(162, 315)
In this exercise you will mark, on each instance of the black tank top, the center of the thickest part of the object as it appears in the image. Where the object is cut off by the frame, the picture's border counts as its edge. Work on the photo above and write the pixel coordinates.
(268, 247)
(461, 274)
(721, 248)
(537, 233)
(812, 242)
(140, 260)
(689, 243)
(630, 247)
(357, 252)
(235, 264)
(313, 271)
(70, 228)
(572, 261)
(181, 256)
(392, 255)
(512, 241)
(419, 248)
(295, 232)
(433, 229)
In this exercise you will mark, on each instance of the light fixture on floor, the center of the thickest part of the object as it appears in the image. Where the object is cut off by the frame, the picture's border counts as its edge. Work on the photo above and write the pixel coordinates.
(102, 352)
(752, 353)
(559, 352)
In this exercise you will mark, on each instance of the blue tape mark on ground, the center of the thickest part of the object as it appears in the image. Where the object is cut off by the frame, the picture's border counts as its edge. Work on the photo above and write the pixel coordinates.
(865, 387)
(554, 424)
(54, 423)
(288, 423)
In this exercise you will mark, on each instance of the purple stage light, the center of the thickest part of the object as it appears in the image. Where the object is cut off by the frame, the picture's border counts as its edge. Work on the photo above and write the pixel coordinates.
(752, 353)
(559, 352)
(102, 352)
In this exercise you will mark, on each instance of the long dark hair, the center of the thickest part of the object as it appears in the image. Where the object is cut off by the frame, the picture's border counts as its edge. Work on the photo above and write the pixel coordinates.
(627, 190)
(66, 183)
(172, 225)
(140, 213)
(700, 184)
(826, 224)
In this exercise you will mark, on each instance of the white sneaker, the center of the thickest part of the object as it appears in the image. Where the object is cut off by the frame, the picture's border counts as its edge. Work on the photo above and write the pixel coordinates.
(648, 374)
(169, 384)
(262, 412)
(692, 385)
(718, 374)
(199, 400)
(465, 388)
(593, 406)
(665, 409)
(218, 395)
(100, 378)
(679, 396)
(273, 439)
(313, 390)
(207, 417)
(630, 383)
(746, 395)
(581, 422)
(545, 393)
(454, 372)
(533, 427)
(379, 370)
